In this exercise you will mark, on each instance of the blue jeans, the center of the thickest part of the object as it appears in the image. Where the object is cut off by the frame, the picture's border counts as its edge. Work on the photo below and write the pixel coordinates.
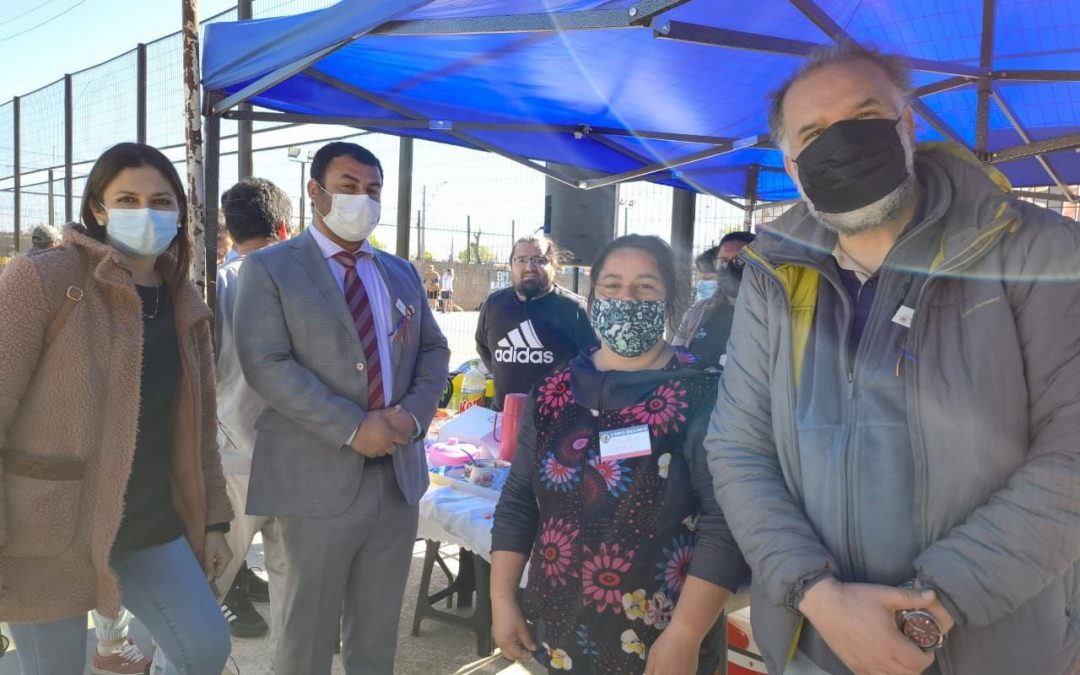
(165, 588)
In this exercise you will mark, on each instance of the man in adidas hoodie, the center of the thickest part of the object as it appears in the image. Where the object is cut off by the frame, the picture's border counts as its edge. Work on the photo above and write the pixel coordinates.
(527, 329)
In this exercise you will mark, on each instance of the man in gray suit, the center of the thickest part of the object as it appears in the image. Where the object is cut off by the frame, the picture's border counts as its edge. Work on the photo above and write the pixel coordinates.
(341, 343)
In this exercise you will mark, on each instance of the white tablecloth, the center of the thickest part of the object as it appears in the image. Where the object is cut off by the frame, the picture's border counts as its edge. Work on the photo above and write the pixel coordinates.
(455, 517)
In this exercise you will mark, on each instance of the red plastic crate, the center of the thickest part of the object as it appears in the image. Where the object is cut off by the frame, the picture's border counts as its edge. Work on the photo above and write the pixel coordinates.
(744, 658)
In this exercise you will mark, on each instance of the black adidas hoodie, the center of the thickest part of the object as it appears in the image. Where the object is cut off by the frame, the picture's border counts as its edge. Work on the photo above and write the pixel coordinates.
(520, 340)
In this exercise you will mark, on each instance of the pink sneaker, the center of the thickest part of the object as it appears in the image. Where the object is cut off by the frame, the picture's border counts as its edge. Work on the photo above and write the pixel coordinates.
(125, 659)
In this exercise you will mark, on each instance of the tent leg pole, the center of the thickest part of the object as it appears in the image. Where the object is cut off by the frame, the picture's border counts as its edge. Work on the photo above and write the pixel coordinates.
(212, 182)
(751, 196)
(404, 203)
(683, 209)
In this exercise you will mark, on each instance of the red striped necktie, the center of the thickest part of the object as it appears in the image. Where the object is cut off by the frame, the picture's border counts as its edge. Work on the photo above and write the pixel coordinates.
(356, 297)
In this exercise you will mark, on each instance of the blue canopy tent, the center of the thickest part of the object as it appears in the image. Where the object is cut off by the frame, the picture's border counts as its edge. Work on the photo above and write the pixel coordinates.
(671, 91)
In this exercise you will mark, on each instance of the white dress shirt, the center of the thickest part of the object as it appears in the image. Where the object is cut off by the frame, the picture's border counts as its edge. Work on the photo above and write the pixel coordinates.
(377, 294)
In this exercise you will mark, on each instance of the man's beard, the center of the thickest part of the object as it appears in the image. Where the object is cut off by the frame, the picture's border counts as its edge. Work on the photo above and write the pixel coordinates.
(532, 287)
(874, 214)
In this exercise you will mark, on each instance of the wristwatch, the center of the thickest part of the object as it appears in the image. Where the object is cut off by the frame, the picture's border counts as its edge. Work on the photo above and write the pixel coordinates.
(920, 626)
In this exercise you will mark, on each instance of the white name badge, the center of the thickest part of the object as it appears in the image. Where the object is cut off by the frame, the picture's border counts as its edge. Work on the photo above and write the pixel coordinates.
(903, 316)
(400, 306)
(626, 442)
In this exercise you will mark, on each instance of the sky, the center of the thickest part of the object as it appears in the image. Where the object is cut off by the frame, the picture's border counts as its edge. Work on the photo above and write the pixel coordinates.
(41, 40)
(48, 38)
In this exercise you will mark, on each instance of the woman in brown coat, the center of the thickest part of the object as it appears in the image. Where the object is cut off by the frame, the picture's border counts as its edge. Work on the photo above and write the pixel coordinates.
(111, 480)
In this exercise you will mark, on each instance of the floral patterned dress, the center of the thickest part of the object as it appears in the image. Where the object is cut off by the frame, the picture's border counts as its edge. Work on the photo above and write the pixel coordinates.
(611, 541)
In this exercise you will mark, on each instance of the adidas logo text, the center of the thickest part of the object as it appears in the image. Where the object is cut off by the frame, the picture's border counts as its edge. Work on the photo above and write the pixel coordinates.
(523, 345)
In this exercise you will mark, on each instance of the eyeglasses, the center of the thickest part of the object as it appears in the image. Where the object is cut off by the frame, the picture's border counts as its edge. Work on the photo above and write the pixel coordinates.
(734, 262)
(537, 260)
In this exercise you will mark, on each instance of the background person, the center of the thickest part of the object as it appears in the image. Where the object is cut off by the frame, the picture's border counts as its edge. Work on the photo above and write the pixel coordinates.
(631, 560)
(339, 341)
(446, 291)
(117, 493)
(533, 326)
(43, 238)
(224, 241)
(705, 269)
(255, 212)
(432, 284)
(706, 326)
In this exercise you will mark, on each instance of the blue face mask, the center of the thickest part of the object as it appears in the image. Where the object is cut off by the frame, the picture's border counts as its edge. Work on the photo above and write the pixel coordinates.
(141, 233)
(705, 289)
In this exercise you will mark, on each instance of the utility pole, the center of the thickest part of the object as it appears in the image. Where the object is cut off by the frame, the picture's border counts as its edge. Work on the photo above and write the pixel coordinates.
(421, 223)
(626, 204)
(205, 257)
(296, 156)
(468, 240)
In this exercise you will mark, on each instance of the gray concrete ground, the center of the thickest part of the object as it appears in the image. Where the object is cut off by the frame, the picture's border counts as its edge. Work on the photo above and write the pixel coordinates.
(440, 650)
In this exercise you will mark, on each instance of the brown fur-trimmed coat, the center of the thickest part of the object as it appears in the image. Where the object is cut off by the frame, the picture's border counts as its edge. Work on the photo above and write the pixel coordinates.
(68, 423)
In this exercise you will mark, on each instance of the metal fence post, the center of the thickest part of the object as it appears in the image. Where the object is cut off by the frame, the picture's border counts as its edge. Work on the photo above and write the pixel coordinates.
(52, 205)
(18, 175)
(140, 93)
(69, 151)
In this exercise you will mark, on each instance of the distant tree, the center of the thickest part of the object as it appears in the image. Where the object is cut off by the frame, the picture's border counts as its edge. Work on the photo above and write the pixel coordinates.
(376, 242)
(482, 254)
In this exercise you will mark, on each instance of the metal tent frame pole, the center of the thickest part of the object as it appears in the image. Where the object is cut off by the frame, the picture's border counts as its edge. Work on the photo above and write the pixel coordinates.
(683, 212)
(982, 76)
(245, 159)
(404, 203)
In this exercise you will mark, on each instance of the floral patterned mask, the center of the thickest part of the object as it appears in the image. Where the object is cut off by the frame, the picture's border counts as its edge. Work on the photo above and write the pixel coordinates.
(629, 327)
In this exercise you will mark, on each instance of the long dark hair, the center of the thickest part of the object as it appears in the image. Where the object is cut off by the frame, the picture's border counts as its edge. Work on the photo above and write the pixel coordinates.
(129, 156)
(676, 281)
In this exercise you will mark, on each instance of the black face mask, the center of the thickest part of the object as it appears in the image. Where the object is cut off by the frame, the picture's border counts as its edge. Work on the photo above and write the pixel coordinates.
(729, 278)
(852, 164)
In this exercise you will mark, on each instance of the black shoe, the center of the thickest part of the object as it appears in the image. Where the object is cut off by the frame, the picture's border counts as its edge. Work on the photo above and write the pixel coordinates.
(257, 589)
(244, 620)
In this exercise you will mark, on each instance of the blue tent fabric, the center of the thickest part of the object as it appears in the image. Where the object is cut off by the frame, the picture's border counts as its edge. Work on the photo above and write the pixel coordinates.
(625, 87)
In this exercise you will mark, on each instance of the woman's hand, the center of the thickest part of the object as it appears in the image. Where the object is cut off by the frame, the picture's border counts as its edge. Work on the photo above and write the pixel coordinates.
(510, 631)
(675, 652)
(216, 557)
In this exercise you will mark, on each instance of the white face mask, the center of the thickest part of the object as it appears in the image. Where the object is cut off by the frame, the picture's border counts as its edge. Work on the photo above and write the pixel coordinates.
(352, 217)
(141, 233)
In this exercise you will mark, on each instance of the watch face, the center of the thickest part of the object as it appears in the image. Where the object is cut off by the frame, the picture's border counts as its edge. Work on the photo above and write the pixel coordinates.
(922, 629)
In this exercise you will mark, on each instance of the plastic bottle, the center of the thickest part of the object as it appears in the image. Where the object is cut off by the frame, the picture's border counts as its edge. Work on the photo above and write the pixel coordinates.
(455, 394)
(473, 388)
